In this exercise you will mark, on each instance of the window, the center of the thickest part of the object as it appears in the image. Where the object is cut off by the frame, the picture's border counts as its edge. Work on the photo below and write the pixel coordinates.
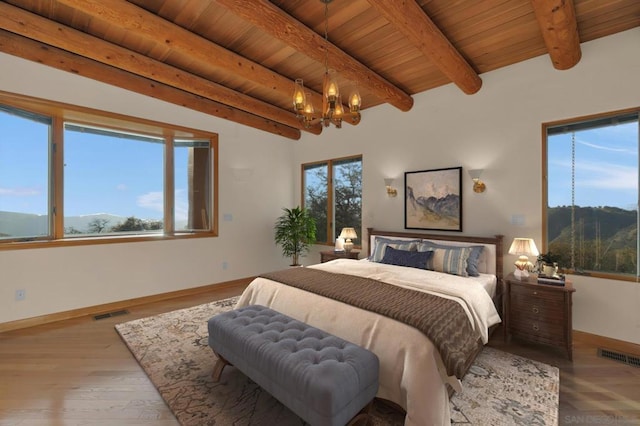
(333, 195)
(592, 194)
(25, 197)
(104, 176)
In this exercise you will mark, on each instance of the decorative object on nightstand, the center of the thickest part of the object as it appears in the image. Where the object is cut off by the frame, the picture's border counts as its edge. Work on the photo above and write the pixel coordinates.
(328, 255)
(339, 247)
(539, 313)
(523, 247)
(548, 264)
(348, 234)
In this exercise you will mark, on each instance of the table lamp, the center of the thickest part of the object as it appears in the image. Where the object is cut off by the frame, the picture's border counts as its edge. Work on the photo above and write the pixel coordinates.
(523, 247)
(348, 234)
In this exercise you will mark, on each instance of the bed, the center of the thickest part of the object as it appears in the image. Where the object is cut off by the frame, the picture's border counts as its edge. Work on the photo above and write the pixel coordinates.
(413, 374)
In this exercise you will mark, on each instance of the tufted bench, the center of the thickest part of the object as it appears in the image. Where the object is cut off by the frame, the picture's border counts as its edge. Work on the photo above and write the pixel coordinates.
(322, 378)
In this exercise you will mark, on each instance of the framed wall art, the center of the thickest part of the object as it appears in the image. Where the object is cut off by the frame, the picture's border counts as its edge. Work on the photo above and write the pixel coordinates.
(433, 199)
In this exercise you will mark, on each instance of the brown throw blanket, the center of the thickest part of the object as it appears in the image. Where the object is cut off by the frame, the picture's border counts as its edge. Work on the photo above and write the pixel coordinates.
(442, 320)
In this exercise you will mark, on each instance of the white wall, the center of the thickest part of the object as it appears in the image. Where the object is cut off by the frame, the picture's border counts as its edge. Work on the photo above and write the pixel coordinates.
(255, 173)
(498, 129)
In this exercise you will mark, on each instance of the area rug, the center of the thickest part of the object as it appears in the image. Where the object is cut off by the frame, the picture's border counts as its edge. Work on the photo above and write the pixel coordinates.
(499, 389)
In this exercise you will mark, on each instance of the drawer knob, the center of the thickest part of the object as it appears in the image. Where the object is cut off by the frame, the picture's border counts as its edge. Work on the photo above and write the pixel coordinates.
(536, 327)
(535, 293)
(535, 310)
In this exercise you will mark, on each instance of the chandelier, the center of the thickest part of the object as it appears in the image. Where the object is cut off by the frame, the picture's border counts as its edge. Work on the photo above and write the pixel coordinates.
(332, 108)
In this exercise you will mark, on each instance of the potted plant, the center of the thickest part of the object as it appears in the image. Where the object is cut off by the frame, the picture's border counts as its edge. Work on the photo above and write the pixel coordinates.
(295, 231)
(548, 263)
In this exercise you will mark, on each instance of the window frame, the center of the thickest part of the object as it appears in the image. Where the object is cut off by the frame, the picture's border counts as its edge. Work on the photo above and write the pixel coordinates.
(330, 194)
(61, 113)
(545, 189)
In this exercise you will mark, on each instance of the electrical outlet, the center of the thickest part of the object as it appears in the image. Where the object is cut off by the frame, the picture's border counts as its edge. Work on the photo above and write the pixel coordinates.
(21, 295)
(225, 265)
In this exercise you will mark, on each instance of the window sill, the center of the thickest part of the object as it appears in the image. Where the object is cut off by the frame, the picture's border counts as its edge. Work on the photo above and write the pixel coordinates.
(72, 242)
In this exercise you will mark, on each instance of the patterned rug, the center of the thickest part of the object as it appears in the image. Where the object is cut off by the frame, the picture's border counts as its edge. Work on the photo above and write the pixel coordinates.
(499, 389)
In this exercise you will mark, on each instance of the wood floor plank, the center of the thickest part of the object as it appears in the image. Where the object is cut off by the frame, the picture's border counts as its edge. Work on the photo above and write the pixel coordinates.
(79, 371)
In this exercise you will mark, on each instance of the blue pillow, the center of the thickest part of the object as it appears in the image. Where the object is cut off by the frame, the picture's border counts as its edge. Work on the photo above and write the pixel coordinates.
(412, 259)
(472, 260)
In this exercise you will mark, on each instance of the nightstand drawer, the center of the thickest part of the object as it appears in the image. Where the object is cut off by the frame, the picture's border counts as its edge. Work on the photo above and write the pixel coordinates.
(541, 331)
(538, 292)
(537, 308)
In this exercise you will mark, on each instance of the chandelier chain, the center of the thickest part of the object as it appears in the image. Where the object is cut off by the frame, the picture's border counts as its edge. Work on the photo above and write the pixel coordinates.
(326, 36)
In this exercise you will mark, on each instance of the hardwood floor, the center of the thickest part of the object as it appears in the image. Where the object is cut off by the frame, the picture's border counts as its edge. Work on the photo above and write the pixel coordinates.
(79, 372)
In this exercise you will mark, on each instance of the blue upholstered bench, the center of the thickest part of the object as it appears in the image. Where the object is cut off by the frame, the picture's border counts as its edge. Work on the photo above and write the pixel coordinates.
(322, 378)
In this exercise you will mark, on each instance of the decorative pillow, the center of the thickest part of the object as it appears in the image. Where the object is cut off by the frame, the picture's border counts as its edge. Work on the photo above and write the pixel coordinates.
(377, 253)
(451, 260)
(412, 259)
(472, 261)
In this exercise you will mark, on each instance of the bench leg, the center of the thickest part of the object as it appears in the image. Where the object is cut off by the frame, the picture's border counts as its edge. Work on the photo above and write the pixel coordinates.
(218, 367)
(363, 417)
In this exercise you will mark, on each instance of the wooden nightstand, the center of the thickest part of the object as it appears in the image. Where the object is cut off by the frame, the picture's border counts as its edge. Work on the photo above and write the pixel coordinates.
(539, 313)
(328, 255)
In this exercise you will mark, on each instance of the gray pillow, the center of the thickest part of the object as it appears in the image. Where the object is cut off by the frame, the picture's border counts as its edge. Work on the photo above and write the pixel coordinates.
(377, 253)
(472, 260)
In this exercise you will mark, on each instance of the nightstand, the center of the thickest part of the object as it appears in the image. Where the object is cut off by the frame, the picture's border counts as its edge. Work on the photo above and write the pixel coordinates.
(539, 313)
(328, 255)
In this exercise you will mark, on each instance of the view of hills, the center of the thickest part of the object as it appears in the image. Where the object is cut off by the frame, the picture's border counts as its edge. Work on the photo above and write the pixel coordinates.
(605, 238)
(14, 224)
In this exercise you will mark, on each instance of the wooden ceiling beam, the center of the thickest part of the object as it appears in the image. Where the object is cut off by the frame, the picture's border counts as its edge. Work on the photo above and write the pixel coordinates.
(273, 20)
(153, 28)
(559, 28)
(410, 19)
(21, 22)
(26, 48)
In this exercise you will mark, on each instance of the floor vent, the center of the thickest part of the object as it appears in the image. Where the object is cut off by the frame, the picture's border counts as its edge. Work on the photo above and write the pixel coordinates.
(620, 357)
(110, 314)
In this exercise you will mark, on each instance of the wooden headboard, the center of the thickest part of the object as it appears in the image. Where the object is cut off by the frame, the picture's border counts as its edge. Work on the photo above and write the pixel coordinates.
(494, 241)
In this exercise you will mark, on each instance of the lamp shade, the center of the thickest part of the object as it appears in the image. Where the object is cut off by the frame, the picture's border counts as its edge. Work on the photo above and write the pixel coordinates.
(475, 173)
(348, 233)
(523, 246)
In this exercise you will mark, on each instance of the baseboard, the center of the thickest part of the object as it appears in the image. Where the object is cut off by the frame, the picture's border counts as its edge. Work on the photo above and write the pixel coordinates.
(607, 342)
(114, 306)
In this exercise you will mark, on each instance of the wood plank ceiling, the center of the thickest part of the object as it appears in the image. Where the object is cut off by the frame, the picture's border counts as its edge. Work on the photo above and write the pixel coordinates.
(237, 59)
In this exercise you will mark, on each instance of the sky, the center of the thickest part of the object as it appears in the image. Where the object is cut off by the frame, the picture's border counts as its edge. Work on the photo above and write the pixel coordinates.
(100, 179)
(103, 174)
(606, 172)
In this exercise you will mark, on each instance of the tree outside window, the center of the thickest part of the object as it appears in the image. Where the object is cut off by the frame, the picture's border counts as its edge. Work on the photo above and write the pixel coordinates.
(333, 195)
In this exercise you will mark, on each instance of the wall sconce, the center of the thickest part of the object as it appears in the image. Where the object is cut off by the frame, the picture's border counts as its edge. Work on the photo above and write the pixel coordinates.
(523, 247)
(478, 185)
(391, 191)
(348, 234)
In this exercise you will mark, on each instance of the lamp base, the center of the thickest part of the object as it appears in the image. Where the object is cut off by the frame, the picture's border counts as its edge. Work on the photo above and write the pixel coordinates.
(521, 273)
(348, 246)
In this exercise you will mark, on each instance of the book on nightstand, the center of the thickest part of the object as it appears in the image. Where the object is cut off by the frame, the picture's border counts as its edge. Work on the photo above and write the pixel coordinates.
(557, 280)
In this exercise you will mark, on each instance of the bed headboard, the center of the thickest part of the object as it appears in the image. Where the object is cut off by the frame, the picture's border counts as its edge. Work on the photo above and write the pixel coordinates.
(492, 253)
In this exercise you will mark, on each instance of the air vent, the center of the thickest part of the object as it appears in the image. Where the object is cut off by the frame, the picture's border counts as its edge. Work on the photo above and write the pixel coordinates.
(110, 314)
(620, 357)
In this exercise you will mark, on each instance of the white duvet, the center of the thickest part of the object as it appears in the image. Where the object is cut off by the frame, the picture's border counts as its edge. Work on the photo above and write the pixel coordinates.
(410, 367)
